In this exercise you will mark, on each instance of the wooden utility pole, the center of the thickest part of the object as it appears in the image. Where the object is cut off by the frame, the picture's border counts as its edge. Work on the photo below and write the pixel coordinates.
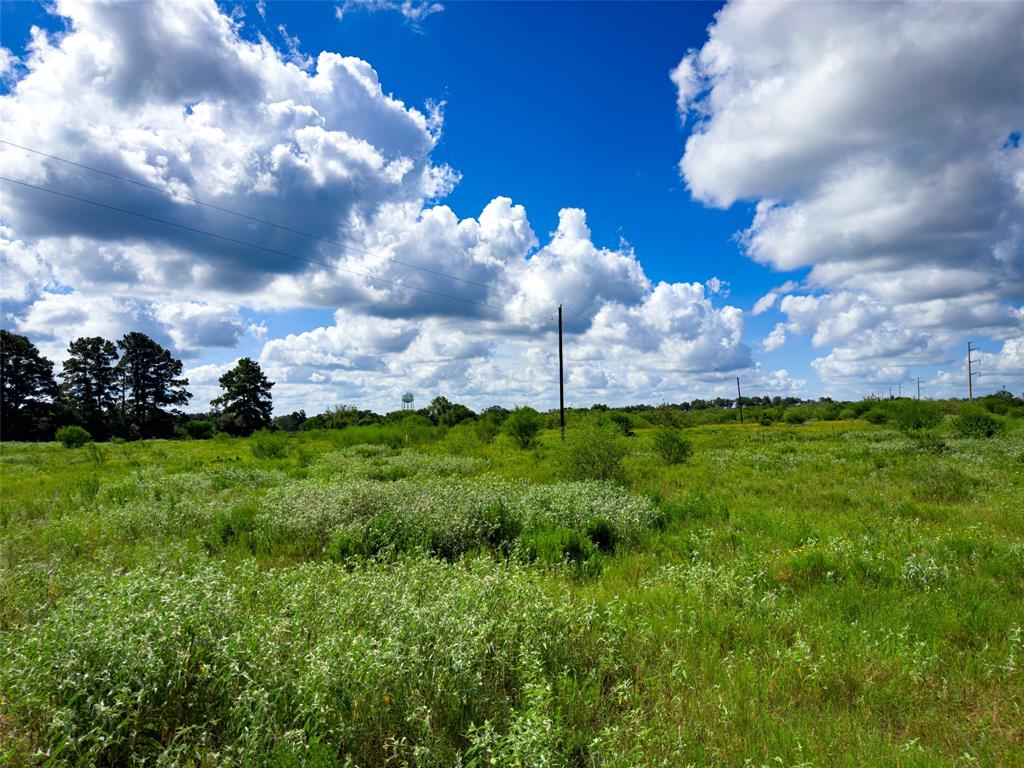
(918, 387)
(739, 398)
(970, 372)
(561, 377)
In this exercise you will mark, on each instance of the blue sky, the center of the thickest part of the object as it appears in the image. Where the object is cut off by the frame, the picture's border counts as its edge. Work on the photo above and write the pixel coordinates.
(569, 106)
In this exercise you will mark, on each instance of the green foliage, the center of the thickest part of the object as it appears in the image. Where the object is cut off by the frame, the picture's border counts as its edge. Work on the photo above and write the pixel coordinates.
(446, 413)
(671, 445)
(27, 390)
(914, 415)
(621, 422)
(153, 381)
(977, 423)
(177, 603)
(209, 666)
(593, 452)
(73, 436)
(269, 445)
(90, 384)
(522, 425)
(443, 517)
(794, 416)
(876, 416)
(200, 429)
(246, 404)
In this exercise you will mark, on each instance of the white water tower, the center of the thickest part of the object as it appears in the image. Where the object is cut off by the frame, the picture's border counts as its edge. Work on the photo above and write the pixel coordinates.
(407, 401)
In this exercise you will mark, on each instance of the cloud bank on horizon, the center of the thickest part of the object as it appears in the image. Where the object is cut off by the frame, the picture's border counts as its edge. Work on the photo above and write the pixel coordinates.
(903, 195)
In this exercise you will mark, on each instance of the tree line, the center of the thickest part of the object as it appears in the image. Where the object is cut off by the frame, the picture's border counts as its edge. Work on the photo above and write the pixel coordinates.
(130, 389)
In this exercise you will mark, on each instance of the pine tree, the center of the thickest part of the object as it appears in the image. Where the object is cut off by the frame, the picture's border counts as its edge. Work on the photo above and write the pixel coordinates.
(90, 384)
(27, 390)
(150, 381)
(246, 405)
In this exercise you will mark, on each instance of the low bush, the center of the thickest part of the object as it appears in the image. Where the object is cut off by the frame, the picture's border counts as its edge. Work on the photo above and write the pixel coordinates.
(200, 429)
(593, 452)
(671, 446)
(269, 445)
(204, 665)
(914, 415)
(73, 436)
(792, 416)
(876, 416)
(977, 423)
(446, 518)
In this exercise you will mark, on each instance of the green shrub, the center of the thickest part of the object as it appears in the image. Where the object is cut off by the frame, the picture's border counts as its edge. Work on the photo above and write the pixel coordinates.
(914, 415)
(622, 423)
(671, 446)
(522, 426)
(593, 453)
(975, 422)
(73, 436)
(204, 665)
(269, 445)
(794, 417)
(876, 416)
(200, 429)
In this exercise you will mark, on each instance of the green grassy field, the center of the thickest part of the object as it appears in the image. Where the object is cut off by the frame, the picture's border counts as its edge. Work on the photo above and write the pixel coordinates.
(816, 595)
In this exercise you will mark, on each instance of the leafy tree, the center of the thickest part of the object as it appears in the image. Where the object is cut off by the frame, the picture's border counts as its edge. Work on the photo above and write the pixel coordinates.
(151, 380)
(90, 384)
(290, 422)
(522, 426)
(446, 413)
(27, 390)
(246, 402)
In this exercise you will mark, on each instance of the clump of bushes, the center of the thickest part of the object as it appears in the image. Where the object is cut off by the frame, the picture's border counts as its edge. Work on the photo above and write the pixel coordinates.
(269, 445)
(200, 429)
(876, 416)
(203, 665)
(522, 425)
(975, 422)
(914, 415)
(593, 452)
(442, 517)
(671, 446)
(73, 436)
(792, 416)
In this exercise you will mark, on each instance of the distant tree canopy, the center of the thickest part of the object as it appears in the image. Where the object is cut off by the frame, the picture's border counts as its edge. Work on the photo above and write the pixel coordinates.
(27, 390)
(442, 411)
(151, 380)
(90, 385)
(245, 405)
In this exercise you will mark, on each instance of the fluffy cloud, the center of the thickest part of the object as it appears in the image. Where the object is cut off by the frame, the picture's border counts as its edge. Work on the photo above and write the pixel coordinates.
(881, 145)
(177, 99)
(173, 97)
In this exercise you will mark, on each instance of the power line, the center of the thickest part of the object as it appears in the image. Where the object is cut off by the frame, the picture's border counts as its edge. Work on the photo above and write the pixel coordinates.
(266, 222)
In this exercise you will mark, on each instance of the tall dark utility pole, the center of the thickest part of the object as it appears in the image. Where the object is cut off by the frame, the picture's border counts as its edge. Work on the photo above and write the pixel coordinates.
(561, 377)
(918, 387)
(739, 399)
(970, 373)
